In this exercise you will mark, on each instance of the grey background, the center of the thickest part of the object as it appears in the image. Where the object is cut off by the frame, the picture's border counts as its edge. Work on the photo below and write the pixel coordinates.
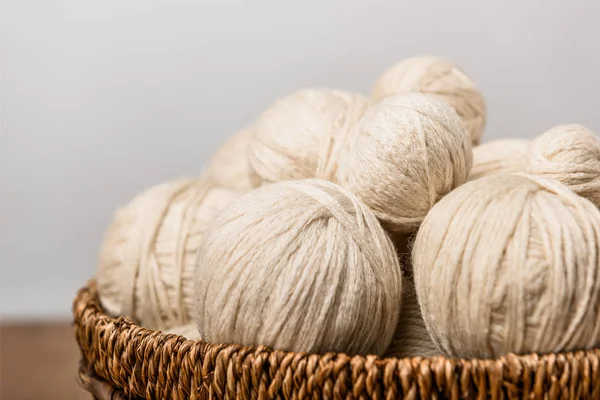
(101, 99)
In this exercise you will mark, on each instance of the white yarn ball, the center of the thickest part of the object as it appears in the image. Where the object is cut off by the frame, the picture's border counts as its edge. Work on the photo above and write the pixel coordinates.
(404, 155)
(299, 266)
(411, 338)
(439, 77)
(146, 263)
(499, 156)
(510, 263)
(229, 167)
(571, 155)
(299, 135)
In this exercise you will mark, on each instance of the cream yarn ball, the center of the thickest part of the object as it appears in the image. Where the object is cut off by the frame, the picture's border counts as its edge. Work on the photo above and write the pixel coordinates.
(229, 167)
(300, 266)
(299, 135)
(439, 77)
(411, 338)
(146, 262)
(499, 156)
(405, 154)
(510, 263)
(571, 155)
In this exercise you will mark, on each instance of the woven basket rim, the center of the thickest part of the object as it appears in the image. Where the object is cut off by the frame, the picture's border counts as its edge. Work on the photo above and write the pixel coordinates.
(151, 364)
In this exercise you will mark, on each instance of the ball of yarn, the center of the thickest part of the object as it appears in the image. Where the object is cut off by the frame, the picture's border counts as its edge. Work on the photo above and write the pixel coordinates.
(411, 338)
(439, 77)
(146, 262)
(499, 156)
(298, 266)
(404, 155)
(510, 263)
(229, 166)
(571, 155)
(299, 135)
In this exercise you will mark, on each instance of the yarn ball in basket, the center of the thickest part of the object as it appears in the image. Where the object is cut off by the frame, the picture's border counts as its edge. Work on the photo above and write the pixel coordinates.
(499, 156)
(300, 266)
(411, 338)
(146, 262)
(510, 263)
(571, 155)
(439, 77)
(229, 167)
(404, 155)
(299, 135)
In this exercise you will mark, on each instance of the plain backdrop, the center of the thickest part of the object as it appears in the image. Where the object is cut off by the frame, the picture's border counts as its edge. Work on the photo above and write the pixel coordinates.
(102, 99)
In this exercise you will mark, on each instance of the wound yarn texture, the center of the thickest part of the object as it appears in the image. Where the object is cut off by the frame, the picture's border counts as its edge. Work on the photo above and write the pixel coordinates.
(411, 338)
(299, 135)
(510, 263)
(571, 155)
(441, 78)
(499, 156)
(146, 262)
(230, 168)
(298, 266)
(406, 153)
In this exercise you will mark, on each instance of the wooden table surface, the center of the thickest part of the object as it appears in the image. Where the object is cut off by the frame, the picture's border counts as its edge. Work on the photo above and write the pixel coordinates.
(39, 361)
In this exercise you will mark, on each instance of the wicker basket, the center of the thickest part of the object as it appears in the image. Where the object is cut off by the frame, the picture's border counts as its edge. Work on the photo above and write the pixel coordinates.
(121, 360)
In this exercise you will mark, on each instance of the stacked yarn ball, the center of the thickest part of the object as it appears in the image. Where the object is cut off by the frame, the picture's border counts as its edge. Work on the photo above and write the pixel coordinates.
(147, 260)
(300, 135)
(300, 265)
(499, 156)
(339, 222)
(510, 263)
(441, 78)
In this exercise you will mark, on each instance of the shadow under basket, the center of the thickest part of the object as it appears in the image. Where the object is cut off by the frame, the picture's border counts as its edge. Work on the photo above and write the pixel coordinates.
(121, 360)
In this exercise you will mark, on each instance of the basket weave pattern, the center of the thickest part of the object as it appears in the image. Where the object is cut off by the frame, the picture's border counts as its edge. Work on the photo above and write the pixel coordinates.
(122, 360)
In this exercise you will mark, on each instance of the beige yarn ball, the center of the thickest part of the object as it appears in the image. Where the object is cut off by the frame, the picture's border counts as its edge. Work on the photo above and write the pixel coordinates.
(499, 156)
(229, 166)
(299, 135)
(411, 338)
(405, 154)
(510, 263)
(300, 266)
(439, 77)
(146, 262)
(571, 155)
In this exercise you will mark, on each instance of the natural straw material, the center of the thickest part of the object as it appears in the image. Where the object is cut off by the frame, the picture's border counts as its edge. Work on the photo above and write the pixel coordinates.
(230, 168)
(510, 263)
(299, 265)
(300, 135)
(146, 262)
(121, 360)
(571, 155)
(404, 155)
(499, 156)
(441, 78)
